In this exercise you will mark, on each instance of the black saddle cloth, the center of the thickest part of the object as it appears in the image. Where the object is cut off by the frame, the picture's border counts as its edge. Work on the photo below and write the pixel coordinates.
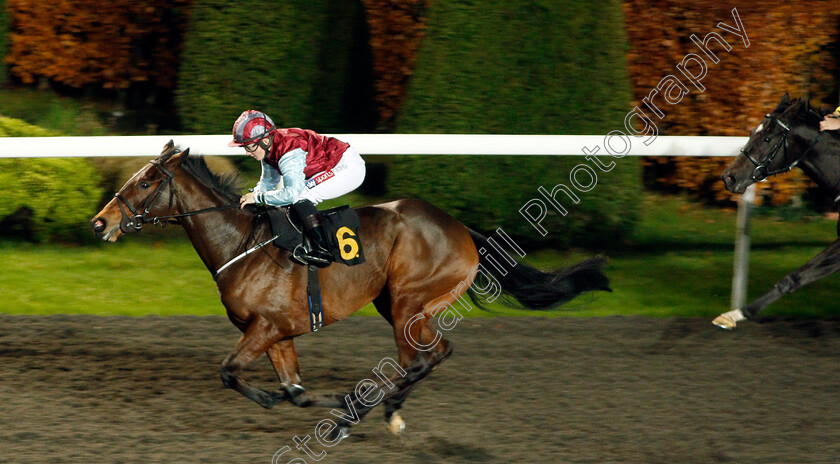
(341, 225)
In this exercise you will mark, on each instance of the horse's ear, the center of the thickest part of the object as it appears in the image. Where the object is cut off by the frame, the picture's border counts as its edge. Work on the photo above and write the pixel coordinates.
(783, 103)
(169, 145)
(179, 158)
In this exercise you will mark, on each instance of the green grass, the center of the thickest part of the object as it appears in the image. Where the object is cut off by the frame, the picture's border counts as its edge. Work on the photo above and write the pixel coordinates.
(135, 277)
(671, 222)
(679, 263)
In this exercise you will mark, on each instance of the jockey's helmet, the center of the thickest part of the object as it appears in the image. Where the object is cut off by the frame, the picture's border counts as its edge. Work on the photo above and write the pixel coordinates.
(250, 127)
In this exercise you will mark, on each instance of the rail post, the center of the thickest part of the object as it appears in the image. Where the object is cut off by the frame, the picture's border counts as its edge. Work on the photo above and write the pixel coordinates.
(741, 261)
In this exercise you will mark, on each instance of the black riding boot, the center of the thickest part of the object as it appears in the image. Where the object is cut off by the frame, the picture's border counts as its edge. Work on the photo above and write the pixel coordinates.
(315, 243)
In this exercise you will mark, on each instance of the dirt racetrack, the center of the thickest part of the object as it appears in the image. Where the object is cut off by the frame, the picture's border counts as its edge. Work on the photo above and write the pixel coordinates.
(637, 390)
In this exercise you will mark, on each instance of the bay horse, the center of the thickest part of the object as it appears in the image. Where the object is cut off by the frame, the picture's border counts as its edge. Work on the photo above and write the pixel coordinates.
(788, 137)
(418, 260)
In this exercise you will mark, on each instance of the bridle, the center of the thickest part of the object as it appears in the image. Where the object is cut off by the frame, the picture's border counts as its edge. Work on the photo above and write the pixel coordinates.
(762, 168)
(134, 222)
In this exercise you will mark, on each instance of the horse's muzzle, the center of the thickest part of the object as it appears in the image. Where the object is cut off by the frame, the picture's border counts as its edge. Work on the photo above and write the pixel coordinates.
(729, 181)
(105, 230)
(98, 225)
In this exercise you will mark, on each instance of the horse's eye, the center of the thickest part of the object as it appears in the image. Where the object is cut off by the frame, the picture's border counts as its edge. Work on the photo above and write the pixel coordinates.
(767, 139)
(144, 185)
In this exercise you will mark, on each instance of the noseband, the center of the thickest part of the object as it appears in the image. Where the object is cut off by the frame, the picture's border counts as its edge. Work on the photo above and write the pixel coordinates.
(762, 168)
(134, 222)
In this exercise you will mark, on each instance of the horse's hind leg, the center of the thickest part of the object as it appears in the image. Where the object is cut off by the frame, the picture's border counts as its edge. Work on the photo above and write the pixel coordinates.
(423, 364)
(258, 337)
(410, 333)
(420, 351)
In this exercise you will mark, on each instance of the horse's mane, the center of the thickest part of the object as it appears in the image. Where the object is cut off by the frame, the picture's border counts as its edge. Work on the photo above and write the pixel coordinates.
(226, 185)
(801, 109)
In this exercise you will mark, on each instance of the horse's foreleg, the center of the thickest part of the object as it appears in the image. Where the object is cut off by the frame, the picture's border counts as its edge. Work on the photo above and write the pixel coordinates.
(825, 263)
(284, 359)
(257, 339)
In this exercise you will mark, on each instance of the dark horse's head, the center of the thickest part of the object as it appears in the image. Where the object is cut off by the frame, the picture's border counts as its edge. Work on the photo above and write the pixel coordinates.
(785, 138)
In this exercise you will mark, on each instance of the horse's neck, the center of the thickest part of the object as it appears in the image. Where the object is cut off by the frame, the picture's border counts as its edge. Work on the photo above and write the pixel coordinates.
(822, 165)
(217, 236)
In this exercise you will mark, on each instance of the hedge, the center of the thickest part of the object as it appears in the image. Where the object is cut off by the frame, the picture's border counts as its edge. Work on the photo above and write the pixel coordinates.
(297, 61)
(521, 67)
(45, 198)
(116, 171)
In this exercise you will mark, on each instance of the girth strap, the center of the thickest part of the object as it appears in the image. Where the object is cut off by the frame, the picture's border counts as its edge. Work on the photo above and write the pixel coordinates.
(316, 307)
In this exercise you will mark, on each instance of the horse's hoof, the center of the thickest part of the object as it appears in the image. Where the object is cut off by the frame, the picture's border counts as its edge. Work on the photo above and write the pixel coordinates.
(724, 322)
(295, 394)
(396, 425)
(728, 320)
(293, 390)
(339, 433)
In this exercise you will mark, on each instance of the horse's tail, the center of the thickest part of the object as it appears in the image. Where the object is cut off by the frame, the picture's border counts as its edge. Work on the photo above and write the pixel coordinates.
(538, 290)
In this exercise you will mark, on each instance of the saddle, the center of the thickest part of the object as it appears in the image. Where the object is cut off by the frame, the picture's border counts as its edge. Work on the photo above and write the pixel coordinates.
(341, 225)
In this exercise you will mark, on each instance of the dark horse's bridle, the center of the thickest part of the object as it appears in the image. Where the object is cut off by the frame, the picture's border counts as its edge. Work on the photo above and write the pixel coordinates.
(134, 223)
(762, 168)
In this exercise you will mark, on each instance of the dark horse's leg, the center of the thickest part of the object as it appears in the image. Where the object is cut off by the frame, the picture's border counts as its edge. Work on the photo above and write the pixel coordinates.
(825, 263)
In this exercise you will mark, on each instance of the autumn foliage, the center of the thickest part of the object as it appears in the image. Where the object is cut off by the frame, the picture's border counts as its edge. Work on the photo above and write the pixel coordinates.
(396, 29)
(793, 48)
(112, 44)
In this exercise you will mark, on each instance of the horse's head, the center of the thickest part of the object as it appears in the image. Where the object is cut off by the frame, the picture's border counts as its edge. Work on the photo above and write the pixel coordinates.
(144, 198)
(782, 139)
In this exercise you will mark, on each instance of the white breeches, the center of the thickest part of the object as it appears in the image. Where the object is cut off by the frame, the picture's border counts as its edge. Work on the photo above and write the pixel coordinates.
(345, 177)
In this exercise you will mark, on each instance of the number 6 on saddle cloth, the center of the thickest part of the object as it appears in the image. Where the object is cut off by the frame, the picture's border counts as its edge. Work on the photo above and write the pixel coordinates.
(341, 225)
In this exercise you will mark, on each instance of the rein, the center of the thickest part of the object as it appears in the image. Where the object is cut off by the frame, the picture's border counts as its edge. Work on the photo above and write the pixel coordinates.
(762, 168)
(242, 255)
(134, 223)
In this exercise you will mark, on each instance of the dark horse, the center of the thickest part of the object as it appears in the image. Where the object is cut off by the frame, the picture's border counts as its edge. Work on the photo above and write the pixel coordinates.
(788, 137)
(419, 259)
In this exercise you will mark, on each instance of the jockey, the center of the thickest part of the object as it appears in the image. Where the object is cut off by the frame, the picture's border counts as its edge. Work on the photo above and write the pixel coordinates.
(312, 168)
